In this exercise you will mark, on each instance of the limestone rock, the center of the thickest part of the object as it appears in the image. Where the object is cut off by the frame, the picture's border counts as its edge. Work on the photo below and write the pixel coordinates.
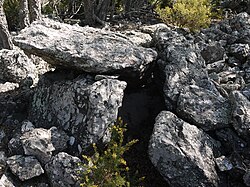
(182, 153)
(62, 170)
(85, 48)
(25, 167)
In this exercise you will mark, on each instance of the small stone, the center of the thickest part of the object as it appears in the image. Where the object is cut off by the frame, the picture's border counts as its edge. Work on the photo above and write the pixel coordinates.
(26, 126)
(223, 163)
(25, 167)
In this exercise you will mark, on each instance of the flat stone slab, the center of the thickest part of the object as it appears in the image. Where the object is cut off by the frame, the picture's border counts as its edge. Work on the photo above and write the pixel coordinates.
(85, 48)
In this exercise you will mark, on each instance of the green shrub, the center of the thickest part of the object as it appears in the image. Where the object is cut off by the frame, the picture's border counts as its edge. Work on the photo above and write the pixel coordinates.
(108, 168)
(193, 14)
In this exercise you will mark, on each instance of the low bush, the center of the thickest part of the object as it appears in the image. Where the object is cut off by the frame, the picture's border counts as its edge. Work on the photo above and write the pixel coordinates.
(193, 14)
(108, 168)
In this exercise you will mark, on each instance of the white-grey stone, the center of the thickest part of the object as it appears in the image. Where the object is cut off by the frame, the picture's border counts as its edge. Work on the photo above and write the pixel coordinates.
(182, 153)
(62, 170)
(84, 48)
(223, 163)
(25, 167)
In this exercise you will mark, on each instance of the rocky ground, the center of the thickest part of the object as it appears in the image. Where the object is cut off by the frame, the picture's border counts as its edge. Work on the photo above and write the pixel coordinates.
(184, 96)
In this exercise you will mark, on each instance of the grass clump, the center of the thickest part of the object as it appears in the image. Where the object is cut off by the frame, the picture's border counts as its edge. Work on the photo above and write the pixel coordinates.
(192, 14)
(108, 168)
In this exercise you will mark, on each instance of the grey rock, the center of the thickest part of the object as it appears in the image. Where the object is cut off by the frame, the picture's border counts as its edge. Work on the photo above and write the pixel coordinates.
(204, 108)
(25, 167)
(42, 142)
(8, 86)
(38, 143)
(6, 181)
(3, 159)
(151, 29)
(215, 66)
(237, 5)
(241, 114)
(59, 139)
(181, 64)
(213, 52)
(15, 66)
(240, 51)
(84, 48)
(62, 170)
(27, 126)
(246, 178)
(182, 153)
(223, 163)
(230, 141)
(81, 106)
(15, 145)
(138, 38)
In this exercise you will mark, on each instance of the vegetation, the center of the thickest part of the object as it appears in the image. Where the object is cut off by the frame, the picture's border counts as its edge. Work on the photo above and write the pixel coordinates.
(11, 8)
(193, 14)
(108, 168)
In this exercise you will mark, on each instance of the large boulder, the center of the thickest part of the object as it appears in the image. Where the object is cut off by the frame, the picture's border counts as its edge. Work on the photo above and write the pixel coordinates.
(82, 107)
(182, 153)
(187, 88)
(85, 48)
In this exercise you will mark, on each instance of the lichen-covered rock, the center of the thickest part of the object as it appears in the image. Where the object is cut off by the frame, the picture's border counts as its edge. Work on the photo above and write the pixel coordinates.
(25, 167)
(85, 48)
(182, 153)
(8, 86)
(81, 106)
(241, 114)
(204, 108)
(181, 64)
(223, 163)
(42, 142)
(15, 65)
(240, 51)
(213, 53)
(6, 181)
(62, 170)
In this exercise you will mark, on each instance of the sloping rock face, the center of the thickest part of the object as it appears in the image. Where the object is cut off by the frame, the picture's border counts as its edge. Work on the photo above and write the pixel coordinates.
(82, 107)
(87, 49)
(182, 153)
